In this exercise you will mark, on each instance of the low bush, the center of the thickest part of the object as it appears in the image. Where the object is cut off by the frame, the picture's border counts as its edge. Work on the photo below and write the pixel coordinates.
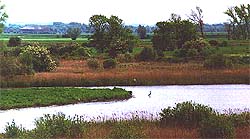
(223, 44)
(81, 52)
(147, 54)
(93, 63)
(109, 63)
(14, 41)
(194, 49)
(217, 61)
(11, 66)
(213, 42)
(217, 126)
(186, 113)
(13, 131)
(59, 126)
(38, 58)
(242, 119)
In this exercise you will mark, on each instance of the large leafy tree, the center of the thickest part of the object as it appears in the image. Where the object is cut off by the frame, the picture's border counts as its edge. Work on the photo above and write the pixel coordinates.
(240, 21)
(173, 33)
(73, 33)
(3, 16)
(110, 35)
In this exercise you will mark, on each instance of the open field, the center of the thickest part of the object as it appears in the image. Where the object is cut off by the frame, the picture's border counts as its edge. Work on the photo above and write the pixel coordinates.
(77, 73)
(37, 97)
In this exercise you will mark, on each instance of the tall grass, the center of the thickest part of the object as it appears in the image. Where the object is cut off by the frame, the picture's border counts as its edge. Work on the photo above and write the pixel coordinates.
(77, 73)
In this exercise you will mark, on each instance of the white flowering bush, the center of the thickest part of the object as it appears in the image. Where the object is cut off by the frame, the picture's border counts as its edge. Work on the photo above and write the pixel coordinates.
(38, 58)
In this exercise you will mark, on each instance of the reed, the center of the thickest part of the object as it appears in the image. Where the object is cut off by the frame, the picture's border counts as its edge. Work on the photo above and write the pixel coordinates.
(77, 73)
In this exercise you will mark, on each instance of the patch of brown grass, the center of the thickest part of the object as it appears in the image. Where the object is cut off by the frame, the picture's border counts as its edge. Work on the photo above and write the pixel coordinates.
(146, 73)
(242, 132)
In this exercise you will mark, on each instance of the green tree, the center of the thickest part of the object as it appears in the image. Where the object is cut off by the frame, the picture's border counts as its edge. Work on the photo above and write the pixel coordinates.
(172, 34)
(73, 33)
(110, 35)
(3, 16)
(141, 31)
(240, 21)
(197, 18)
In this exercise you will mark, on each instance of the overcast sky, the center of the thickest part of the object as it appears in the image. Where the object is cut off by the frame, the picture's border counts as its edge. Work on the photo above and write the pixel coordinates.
(131, 11)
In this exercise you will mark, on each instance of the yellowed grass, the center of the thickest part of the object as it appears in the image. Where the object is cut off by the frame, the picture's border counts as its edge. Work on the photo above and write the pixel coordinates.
(144, 72)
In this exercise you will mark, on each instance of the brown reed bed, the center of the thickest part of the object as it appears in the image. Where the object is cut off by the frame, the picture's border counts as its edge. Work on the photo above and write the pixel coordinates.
(77, 73)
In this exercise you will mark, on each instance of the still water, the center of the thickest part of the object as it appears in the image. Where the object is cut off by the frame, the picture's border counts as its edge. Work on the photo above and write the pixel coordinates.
(219, 97)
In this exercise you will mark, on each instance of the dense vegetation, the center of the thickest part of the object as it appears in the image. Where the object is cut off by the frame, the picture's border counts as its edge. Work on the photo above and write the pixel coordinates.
(185, 120)
(36, 97)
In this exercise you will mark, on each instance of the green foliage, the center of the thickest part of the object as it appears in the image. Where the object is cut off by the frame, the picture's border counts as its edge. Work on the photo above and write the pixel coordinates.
(38, 57)
(217, 61)
(172, 34)
(217, 126)
(239, 23)
(198, 48)
(110, 35)
(186, 113)
(124, 129)
(73, 33)
(58, 126)
(11, 66)
(238, 120)
(13, 131)
(147, 54)
(223, 44)
(14, 41)
(81, 52)
(3, 16)
(109, 63)
(93, 63)
(28, 97)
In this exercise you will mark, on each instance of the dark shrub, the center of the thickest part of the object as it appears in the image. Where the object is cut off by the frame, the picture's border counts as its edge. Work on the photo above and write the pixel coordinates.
(192, 53)
(147, 54)
(186, 113)
(13, 131)
(223, 44)
(213, 42)
(14, 41)
(10, 66)
(93, 63)
(216, 126)
(242, 119)
(109, 63)
(217, 61)
(196, 44)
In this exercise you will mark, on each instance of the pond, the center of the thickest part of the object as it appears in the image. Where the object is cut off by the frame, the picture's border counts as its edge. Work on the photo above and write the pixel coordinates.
(219, 97)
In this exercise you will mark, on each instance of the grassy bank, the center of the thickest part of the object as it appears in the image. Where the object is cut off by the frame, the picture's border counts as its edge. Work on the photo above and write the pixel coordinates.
(36, 97)
(77, 73)
(186, 120)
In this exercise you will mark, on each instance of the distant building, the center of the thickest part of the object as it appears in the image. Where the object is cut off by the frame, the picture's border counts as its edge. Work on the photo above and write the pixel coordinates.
(35, 30)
